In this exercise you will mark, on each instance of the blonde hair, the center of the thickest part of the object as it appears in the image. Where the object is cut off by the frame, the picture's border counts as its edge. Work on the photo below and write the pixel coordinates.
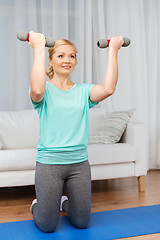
(51, 51)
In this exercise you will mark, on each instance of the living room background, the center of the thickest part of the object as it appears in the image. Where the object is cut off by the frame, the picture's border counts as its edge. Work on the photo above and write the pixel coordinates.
(85, 22)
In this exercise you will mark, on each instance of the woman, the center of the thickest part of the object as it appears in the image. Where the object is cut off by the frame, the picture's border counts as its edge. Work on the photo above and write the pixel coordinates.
(63, 107)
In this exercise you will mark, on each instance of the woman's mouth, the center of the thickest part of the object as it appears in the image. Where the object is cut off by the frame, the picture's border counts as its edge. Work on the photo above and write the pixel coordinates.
(66, 67)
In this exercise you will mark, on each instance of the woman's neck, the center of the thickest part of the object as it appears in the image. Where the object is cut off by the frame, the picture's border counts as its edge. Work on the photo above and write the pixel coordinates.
(61, 80)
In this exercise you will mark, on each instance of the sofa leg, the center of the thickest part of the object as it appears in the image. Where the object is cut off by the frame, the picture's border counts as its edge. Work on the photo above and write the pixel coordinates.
(141, 183)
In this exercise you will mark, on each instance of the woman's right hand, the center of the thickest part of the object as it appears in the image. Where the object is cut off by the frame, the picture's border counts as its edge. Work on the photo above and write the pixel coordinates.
(116, 43)
(36, 40)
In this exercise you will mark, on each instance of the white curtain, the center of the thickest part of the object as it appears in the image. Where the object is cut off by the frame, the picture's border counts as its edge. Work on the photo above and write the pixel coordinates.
(85, 22)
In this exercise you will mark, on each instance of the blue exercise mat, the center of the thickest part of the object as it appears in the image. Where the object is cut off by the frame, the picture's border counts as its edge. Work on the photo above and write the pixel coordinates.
(103, 226)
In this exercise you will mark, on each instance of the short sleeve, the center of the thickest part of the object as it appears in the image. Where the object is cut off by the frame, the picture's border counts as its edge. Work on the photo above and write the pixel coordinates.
(91, 104)
(35, 105)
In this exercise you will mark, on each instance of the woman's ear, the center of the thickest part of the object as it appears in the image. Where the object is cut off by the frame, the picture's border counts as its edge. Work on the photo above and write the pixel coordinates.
(49, 61)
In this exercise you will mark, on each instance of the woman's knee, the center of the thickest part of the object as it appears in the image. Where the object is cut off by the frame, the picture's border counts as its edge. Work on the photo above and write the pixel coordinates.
(81, 224)
(46, 227)
(81, 221)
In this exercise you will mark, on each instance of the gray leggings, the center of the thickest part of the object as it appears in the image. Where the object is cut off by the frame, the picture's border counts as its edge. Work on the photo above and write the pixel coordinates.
(49, 183)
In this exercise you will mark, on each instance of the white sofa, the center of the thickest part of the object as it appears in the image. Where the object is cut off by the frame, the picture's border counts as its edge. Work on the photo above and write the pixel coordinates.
(19, 133)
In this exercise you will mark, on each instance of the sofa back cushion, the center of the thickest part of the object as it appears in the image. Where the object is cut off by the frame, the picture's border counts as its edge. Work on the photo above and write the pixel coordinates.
(97, 115)
(19, 129)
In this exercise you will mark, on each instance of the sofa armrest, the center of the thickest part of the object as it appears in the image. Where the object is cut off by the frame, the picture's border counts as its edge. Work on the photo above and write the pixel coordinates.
(135, 135)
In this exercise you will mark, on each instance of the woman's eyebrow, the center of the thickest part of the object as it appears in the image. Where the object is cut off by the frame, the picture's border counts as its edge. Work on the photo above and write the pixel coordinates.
(64, 53)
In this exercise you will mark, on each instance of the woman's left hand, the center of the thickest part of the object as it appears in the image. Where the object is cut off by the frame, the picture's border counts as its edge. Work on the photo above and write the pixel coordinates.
(116, 43)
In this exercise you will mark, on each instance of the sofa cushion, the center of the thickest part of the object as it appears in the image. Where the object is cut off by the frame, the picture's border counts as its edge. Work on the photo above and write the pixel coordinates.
(2, 144)
(111, 153)
(97, 115)
(17, 160)
(111, 128)
(19, 129)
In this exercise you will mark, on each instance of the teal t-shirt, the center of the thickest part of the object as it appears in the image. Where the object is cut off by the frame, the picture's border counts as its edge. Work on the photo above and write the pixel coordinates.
(64, 124)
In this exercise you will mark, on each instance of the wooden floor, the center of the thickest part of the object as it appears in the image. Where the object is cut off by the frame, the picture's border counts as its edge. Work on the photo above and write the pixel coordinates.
(106, 195)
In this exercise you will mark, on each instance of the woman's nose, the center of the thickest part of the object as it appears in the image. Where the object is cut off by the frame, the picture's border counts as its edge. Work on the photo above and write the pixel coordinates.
(66, 59)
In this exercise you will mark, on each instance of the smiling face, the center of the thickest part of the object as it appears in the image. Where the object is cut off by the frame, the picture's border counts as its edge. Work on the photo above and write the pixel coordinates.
(63, 60)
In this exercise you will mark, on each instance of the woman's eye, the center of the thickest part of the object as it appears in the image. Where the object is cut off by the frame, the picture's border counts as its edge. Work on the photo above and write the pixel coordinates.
(72, 56)
(60, 56)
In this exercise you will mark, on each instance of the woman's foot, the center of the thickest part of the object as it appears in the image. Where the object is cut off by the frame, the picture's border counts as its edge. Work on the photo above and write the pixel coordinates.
(33, 203)
(63, 199)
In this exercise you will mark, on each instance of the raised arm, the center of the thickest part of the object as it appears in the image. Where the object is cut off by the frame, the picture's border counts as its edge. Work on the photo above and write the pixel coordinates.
(100, 92)
(38, 74)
